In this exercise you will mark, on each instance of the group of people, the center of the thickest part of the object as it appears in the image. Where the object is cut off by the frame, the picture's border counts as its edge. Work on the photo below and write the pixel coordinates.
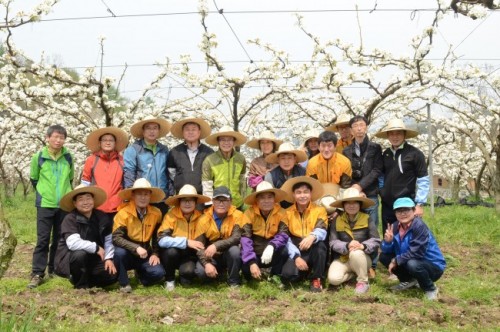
(300, 213)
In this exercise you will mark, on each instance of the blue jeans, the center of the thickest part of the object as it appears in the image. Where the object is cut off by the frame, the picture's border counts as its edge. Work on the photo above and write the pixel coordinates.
(424, 271)
(124, 260)
(373, 212)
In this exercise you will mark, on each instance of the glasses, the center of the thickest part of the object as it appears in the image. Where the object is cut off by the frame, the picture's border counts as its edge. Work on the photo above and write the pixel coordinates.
(221, 201)
(403, 210)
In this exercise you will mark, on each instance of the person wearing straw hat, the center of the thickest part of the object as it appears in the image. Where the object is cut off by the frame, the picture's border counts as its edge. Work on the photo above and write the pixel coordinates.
(404, 169)
(226, 166)
(287, 157)
(147, 157)
(310, 145)
(267, 143)
(186, 159)
(265, 234)
(329, 165)
(179, 236)
(135, 230)
(353, 238)
(342, 126)
(307, 224)
(85, 251)
(410, 251)
(221, 237)
(104, 167)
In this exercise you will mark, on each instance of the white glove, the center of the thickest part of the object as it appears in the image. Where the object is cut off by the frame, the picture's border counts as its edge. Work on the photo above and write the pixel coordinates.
(267, 255)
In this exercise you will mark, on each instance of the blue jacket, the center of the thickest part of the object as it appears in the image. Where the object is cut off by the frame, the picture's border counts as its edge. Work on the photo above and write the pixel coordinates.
(140, 162)
(418, 243)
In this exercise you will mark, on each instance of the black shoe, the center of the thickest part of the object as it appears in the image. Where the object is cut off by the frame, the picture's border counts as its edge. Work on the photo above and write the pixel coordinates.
(35, 281)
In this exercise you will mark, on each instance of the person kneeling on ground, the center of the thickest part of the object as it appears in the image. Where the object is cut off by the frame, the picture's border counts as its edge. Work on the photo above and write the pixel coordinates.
(410, 251)
(134, 235)
(221, 235)
(85, 252)
(307, 223)
(353, 238)
(179, 236)
(265, 233)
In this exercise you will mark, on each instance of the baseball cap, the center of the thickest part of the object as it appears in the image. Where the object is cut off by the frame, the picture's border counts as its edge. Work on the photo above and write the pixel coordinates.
(222, 191)
(404, 202)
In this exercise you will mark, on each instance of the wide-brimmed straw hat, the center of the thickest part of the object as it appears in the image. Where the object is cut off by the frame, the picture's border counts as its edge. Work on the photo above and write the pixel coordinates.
(330, 195)
(311, 133)
(137, 128)
(187, 191)
(396, 124)
(177, 127)
(266, 187)
(317, 188)
(120, 135)
(264, 136)
(66, 202)
(342, 119)
(286, 148)
(353, 195)
(239, 138)
(157, 195)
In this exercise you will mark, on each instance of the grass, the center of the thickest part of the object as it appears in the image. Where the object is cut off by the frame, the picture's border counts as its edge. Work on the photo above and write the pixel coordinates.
(469, 238)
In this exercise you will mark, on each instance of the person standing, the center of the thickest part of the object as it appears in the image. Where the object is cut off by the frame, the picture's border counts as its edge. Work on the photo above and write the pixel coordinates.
(267, 143)
(342, 126)
(404, 171)
(104, 167)
(51, 174)
(226, 166)
(147, 157)
(310, 145)
(186, 159)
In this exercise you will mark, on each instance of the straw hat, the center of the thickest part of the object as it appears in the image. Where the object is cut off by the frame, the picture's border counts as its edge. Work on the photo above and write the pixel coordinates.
(330, 195)
(396, 124)
(226, 131)
(342, 119)
(66, 202)
(264, 136)
(177, 127)
(286, 148)
(187, 191)
(266, 187)
(137, 131)
(317, 188)
(156, 193)
(120, 135)
(311, 133)
(353, 195)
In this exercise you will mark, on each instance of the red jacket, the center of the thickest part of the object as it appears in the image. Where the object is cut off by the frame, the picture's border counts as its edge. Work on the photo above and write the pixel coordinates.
(107, 173)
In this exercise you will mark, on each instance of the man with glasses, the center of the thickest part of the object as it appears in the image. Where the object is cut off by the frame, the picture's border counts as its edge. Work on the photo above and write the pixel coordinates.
(410, 251)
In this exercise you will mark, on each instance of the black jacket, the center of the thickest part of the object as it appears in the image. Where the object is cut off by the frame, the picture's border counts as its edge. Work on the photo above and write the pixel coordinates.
(369, 165)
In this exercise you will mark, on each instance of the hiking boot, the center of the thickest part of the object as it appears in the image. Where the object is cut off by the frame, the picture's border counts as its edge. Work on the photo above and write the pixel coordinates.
(372, 273)
(35, 281)
(432, 295)
(404, 285)
(361, 288)
(126, 289)
(170, 285)
(316, 286)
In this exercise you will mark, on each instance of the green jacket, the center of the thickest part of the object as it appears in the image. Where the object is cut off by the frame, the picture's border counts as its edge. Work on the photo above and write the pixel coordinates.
(51, 178)
(217, 171)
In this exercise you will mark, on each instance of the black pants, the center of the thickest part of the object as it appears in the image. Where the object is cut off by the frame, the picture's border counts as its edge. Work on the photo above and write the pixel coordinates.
(315, 258)
(182, 259)
(87, 270)
(48, 221)
(388, 216)
(279, 258)
(230, 259)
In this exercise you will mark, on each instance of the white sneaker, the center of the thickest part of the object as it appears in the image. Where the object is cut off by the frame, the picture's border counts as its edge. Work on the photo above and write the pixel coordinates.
(169, 285)
(432, 295)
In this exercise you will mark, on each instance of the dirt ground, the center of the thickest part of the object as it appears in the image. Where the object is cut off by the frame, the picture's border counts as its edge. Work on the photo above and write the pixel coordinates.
(242, 306)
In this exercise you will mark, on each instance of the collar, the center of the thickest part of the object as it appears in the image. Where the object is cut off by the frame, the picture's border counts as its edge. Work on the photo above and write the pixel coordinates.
(399, 147)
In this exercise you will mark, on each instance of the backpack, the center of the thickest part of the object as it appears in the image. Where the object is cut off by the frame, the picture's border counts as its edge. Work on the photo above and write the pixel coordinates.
(66, 156)
(92, 178)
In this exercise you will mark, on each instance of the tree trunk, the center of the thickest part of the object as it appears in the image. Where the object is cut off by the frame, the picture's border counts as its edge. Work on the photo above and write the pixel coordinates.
(8, 243)
(455, 188)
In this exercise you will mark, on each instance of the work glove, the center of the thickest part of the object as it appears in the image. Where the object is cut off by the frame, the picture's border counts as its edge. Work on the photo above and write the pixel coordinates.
(267, 255)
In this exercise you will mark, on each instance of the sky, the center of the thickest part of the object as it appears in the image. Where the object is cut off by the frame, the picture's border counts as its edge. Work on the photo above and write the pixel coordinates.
(156, 29)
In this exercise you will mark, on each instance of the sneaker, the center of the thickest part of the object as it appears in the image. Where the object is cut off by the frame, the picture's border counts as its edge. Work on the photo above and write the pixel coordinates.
(392, 277)
(35, 281)
(316, 286)
(372, 273)
(361, 288)
(169, 285)
(404, 285)
(432, 295)
(126, 289)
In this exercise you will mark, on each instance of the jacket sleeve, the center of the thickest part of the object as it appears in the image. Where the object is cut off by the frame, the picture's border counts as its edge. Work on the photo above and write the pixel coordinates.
(109, 249)
(423, 184)
(281, 238)
(372, 176)
(165, 239)
(336, 244)
(373, 243)
(130, 166)
(243, 183)
(120, 239)
(207, 179)
(346, 177)
(34, 170)
(248, 255)
(293, 251)
(418, 244)
(234, 239)
(75, 242)
(87, 170)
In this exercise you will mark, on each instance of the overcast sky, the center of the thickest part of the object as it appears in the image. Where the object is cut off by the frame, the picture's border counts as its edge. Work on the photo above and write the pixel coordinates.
(145, 38)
